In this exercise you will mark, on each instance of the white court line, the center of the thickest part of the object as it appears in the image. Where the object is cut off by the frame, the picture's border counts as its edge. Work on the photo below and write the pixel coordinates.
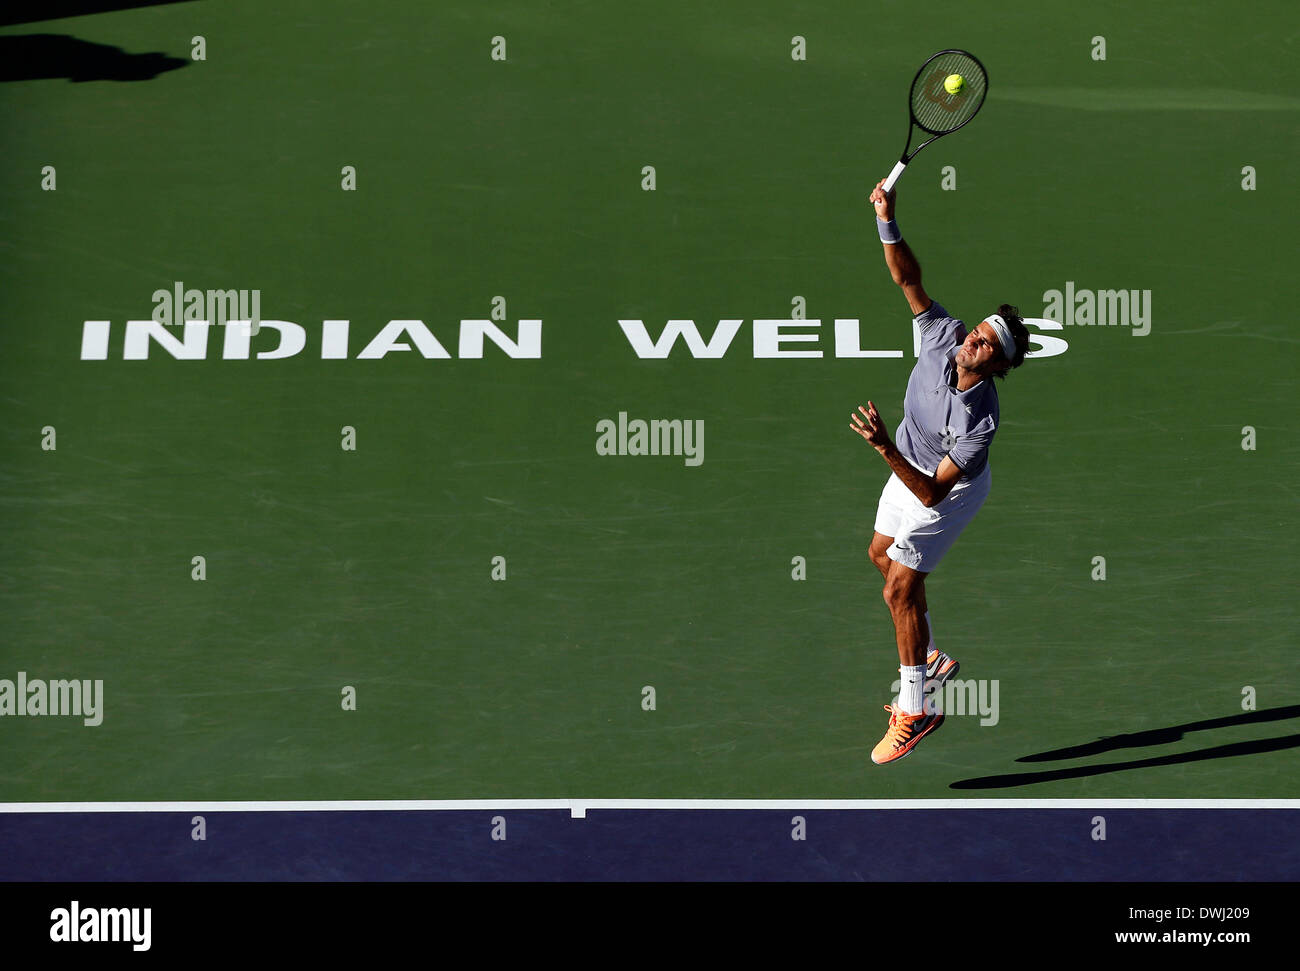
(579, 807)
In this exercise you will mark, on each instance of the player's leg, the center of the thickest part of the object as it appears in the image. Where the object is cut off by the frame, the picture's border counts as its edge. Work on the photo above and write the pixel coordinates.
(903, 585)
(928, 541)
(939, 667)
(910, 555)
(909, 721)
(905, 596)
(880, 544)
(928, 533)
(922, 536)
(922, 540)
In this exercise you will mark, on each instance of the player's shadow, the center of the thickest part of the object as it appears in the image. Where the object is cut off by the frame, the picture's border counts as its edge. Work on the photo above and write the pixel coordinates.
(1157, 736)
(30, 57)
(28, 11)
(1161, 736)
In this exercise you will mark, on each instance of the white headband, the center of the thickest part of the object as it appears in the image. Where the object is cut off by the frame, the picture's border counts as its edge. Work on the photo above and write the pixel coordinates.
(1004, 335)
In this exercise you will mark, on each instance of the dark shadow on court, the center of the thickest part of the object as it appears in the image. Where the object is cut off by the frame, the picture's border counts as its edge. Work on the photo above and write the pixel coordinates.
(1083, 771)
(35, 56)
(1162, 736)
(32, 11)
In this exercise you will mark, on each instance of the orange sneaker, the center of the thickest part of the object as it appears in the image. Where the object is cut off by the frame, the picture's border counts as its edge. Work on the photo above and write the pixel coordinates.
(903, 733)
(939, 667)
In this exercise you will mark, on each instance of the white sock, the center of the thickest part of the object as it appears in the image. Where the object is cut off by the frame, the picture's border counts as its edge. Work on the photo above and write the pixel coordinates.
(913, 679)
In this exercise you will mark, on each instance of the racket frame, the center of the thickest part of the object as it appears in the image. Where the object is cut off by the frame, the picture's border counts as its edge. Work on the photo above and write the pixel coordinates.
(914, 122)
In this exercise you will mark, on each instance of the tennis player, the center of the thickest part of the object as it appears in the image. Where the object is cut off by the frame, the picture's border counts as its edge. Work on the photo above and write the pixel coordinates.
(940, 472)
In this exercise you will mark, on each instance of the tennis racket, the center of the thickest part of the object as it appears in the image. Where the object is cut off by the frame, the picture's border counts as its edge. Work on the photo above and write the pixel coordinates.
(936, 112)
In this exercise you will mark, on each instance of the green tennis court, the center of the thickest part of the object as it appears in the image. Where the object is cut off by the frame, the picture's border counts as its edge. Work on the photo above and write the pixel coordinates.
(501, 151)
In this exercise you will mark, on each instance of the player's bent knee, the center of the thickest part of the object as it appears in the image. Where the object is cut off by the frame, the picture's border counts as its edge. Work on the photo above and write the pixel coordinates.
(895, 594)
(903, 590)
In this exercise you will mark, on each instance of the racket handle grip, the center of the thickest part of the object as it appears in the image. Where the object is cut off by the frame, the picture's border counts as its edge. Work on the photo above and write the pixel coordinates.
(893, 176)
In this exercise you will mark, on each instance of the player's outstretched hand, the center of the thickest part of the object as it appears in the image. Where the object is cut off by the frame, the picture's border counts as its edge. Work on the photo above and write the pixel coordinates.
(873, 429)
(884, 202)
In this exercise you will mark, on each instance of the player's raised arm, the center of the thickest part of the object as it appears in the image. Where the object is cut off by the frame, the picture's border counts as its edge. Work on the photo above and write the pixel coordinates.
(902, 263)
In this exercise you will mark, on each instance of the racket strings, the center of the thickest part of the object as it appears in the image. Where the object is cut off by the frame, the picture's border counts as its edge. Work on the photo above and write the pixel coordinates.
(933, 107)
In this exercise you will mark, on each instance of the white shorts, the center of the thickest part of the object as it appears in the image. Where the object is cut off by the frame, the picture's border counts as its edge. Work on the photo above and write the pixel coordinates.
(923, 535)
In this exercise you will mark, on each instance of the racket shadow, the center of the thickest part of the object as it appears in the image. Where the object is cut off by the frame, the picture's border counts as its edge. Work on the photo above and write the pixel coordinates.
(1233, 750)
(1161, 736)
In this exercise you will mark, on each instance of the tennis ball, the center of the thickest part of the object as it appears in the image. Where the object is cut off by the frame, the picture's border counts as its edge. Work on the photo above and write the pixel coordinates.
(953, 83)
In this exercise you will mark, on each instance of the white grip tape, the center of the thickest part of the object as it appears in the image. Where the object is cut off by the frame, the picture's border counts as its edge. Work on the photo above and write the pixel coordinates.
(893, 176)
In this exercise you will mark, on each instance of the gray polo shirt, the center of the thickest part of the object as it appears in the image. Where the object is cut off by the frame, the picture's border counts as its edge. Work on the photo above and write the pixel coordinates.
(938, 419)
